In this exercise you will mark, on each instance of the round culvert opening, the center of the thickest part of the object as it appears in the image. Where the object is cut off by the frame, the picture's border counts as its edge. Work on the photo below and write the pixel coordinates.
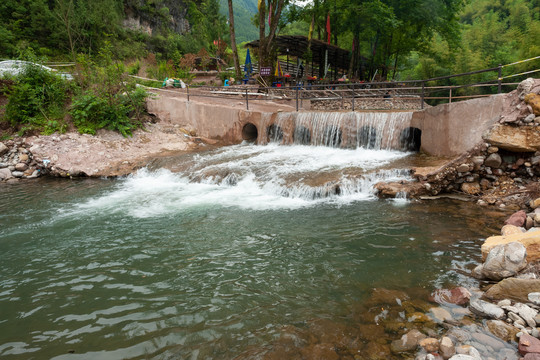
(249, 132)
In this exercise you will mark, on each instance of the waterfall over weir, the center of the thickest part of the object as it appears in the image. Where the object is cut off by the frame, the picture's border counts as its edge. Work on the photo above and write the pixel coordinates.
(378, 130)
(307, 158)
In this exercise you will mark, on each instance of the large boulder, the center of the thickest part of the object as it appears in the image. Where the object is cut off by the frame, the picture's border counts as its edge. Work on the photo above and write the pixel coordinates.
(503, 261)
(531, 241)
(513, 288)
(513, 138)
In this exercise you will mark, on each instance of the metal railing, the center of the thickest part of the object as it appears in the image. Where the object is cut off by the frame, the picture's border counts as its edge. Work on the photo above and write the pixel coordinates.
(402, 95)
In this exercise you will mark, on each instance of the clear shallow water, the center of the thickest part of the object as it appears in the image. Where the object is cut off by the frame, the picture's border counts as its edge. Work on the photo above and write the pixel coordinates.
(195, 264)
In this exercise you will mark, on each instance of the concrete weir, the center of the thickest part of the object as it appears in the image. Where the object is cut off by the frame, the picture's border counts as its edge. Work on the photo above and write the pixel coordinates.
(444, 130)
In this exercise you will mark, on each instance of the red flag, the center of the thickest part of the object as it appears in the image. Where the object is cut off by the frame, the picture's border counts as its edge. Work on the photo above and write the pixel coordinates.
(328, 26)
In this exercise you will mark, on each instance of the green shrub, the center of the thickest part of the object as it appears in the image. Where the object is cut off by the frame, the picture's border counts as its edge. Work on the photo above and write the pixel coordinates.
(36, 100)
(121, 113)
(107, 97)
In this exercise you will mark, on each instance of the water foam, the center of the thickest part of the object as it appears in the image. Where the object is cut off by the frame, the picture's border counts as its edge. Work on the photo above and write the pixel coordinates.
(252, 177)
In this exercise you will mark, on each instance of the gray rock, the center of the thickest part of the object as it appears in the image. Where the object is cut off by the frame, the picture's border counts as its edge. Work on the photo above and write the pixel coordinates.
(11, 167)
(535, 332)
(505, 302)
(463, 168)
(518, 321)
(3, 149)
(505, 261)
(534, 297)
(479, 161)
(488, 341)
(493, 161)
(486, 309)
(527, 313)
(3, 165)
(464, 357)
(510, 308)
(17, 174)
(529, 118)
(5, 174)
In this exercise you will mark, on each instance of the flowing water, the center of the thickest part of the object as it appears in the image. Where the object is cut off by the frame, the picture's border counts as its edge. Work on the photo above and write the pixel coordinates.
(230, 253)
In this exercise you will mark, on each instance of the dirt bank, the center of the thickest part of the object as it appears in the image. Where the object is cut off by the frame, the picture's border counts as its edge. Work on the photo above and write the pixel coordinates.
(106, 154)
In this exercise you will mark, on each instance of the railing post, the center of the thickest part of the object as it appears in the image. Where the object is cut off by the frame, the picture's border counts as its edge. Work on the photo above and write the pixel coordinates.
(450, 97)
(187, 87)
(499, 80)
(247, 100)
(297, 86)
(353, 98)
(422, 97)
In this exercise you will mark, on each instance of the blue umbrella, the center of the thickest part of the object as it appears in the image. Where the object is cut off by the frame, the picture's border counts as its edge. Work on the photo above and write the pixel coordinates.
(247, 66)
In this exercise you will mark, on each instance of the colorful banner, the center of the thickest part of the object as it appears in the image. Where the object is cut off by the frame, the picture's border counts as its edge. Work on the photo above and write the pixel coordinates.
(328, 26)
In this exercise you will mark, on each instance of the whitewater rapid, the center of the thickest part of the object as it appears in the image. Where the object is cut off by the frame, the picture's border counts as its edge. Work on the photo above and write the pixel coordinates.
(270, 177)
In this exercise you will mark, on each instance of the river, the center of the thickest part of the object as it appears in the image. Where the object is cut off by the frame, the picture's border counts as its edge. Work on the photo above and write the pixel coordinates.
(219, 254)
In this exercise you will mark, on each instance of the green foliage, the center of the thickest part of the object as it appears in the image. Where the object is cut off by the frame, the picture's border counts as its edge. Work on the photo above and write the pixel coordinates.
(36, 100)
(91, 112)
(107, 98)
(492, 33)
(244, 10)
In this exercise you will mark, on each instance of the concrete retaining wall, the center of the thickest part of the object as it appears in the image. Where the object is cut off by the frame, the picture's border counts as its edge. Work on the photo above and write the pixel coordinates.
(447, 130)
(451, 129)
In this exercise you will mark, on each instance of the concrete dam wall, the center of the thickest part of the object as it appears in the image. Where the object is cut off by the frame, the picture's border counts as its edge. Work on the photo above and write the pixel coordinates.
(443, 130)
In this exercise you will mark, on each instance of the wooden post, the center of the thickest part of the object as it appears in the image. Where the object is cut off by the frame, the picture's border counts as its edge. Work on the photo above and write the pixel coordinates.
(247, 100)
(187, 87)
(450, 99)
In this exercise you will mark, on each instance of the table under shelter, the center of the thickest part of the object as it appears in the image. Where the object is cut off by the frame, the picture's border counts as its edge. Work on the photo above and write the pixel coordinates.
(327, 61)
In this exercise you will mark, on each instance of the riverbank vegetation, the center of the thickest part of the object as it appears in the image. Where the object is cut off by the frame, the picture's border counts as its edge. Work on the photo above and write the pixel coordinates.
(155, 39)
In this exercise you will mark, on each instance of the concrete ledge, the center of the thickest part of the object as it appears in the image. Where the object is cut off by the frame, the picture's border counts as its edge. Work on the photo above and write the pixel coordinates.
(451, 129)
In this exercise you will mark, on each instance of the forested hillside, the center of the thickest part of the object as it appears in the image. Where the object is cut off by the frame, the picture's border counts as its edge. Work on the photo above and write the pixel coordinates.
(395, 39)
(244, 11)
(64, 28)
(491, 33)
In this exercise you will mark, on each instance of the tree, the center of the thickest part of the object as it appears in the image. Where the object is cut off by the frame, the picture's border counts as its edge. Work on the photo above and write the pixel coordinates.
(233, 40)
(273, 12)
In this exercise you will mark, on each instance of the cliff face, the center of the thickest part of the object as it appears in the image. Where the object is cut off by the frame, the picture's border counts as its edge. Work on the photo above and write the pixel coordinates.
(151, 16)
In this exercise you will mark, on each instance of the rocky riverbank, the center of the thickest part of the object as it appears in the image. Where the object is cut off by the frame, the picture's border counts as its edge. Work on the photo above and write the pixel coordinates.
(106, 154)
(501, 320)
(503, 170)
